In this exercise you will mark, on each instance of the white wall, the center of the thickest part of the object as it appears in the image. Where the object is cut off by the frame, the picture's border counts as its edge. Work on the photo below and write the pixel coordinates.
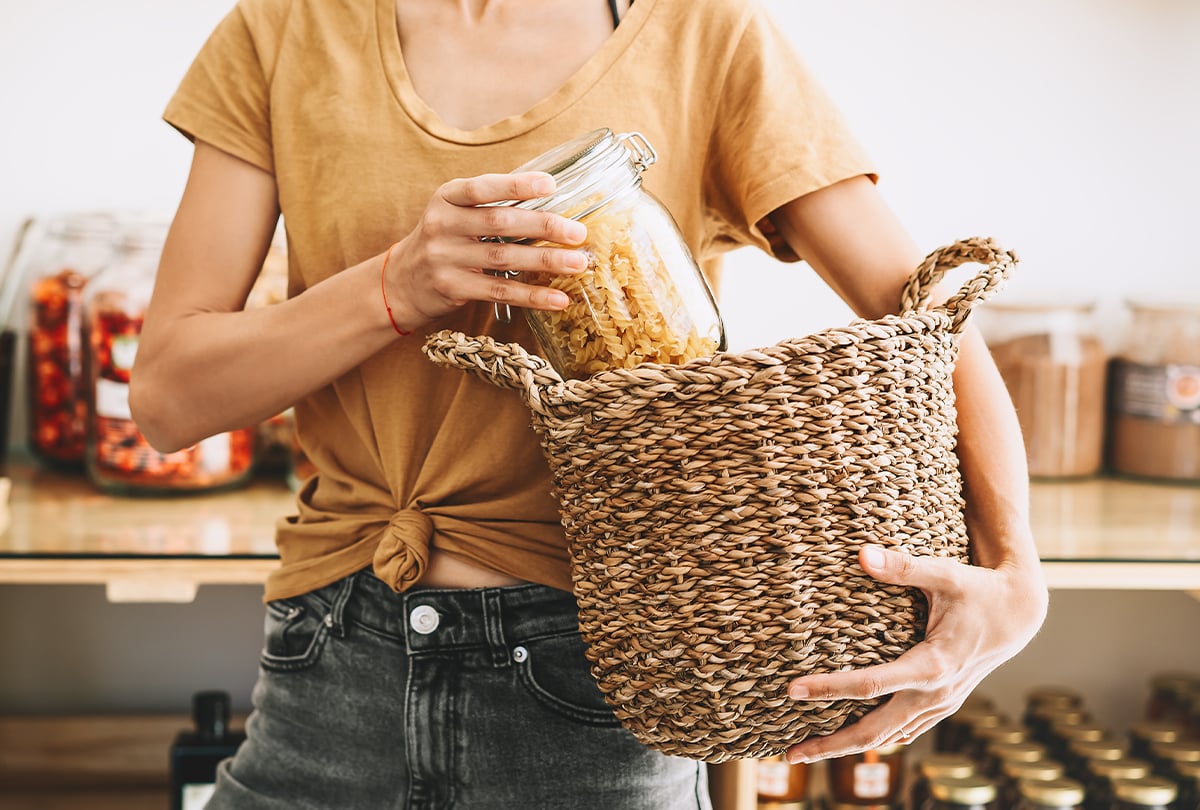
(1068, 130)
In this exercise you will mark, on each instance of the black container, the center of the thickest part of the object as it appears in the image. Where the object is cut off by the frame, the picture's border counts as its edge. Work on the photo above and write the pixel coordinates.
(195, 754)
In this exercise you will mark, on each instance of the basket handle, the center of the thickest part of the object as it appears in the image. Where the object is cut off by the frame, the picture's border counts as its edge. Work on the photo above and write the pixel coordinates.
(506, 365)
(997, 261)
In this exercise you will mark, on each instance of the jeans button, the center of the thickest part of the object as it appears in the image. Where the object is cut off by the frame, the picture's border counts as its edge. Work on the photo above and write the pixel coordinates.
(424, 619)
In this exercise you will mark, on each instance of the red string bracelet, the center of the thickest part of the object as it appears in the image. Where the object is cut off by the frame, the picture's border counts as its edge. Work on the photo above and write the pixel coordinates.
(383, 288)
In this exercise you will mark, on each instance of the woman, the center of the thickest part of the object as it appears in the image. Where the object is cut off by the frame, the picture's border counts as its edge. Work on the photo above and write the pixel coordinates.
(421, 645)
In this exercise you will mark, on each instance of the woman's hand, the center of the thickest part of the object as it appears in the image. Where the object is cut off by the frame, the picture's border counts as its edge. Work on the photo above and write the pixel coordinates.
(442, 264)
(978, 619)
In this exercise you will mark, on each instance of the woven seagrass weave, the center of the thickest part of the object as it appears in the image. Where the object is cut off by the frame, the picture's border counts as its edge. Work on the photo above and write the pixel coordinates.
(715, 511)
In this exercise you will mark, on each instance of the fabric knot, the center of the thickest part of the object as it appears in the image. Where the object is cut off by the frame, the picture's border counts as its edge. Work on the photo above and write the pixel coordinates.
(403, 552)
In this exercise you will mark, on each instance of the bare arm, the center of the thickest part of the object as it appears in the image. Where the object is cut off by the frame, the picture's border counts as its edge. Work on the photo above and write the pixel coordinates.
(980, 615)
(204, 365)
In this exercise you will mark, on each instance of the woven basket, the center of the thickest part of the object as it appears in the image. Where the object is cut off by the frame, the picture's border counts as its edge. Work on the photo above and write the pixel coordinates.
(715, 511)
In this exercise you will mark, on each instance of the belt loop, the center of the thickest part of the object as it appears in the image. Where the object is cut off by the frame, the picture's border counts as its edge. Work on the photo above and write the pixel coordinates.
(338, 608)
(493, 625)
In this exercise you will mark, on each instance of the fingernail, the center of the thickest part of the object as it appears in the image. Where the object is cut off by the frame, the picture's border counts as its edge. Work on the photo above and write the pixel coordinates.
(874, 556)
(576, 233)
(543, 184)
(559, 299)
(576, 260)
(796, 759)
(798, 691)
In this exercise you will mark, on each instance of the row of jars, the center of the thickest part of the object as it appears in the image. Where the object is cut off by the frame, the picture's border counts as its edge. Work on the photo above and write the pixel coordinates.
(89, 277)
(1084, 408)
(1054, 757)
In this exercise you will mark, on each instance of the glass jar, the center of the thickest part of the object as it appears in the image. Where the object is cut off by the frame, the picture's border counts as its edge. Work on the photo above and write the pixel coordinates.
(642, 298)
(1063, 737)
(871, 778)
(1102, 774)
(1187, 780)
(1014, 774)
(1052, 794)
(781, 785)
(72, 250)
(1166, 758)
(1154, 409)
(1146, 793)
(1082, 754)
(986, 737)
(952, 734)
(935, 766)
(974, 792)
(1043, 701)
(119, 459)
(1169, 694)
(1144, 736)
(1055, 368)
(1000, 754)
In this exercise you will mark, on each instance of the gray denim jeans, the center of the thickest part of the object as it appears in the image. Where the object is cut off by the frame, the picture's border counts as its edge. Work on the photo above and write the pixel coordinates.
(482, 698)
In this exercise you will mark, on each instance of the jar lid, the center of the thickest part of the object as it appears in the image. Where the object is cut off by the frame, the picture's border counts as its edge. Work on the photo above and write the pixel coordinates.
(1019, 752)
(972, 790)
(1156, 732)
(945, 764)
(1061, 696)
(1058, 715)
(1041, 771)
(1004, 733)
(1053, 792)
(1106, 749)
(1151, 791)
(1176, 683)
(1120, 768)
(1080, 732)
(1178, 751)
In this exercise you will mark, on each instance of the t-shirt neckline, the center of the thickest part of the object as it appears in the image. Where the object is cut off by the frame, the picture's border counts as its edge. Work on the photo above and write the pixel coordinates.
(426, 118)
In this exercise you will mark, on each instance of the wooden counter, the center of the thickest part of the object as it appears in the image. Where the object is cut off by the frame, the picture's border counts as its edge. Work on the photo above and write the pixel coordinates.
(1096, 533)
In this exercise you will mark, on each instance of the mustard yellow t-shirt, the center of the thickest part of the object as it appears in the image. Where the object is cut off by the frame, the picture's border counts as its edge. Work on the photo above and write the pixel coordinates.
(413, 456)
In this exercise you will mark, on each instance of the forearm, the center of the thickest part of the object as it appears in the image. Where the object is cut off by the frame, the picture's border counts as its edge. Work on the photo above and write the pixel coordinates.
(214, 371)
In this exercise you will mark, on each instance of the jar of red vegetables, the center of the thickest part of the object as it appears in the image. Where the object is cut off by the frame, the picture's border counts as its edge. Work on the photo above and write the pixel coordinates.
(73, 248)
(119, 459)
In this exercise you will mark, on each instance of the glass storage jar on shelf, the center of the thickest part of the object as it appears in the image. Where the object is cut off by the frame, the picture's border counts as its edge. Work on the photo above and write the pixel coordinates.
(119, 459)
(642, 298)
(1054, 366)
(72, 249)
(781, 785)
(1154, 409)
(868, 779)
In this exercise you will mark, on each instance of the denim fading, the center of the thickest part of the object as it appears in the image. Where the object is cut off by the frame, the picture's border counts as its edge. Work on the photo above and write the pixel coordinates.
(494, 708)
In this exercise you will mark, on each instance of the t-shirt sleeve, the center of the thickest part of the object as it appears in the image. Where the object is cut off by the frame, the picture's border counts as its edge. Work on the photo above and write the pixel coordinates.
(224, 98)
(777, 135)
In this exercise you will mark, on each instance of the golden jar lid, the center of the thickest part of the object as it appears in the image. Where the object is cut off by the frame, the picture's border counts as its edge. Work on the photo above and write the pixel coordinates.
(1108, 749)
(1149, 791)
(1042, 771)
(1177, 751)
(1156, 732)
(1080, 732)
(1053, 793)
(1176, 683)
(1059, 716)
(979, 718)
(1120, 768)
(945, 764)
(1061, 696)
(969, 790)
(1189, 770)
(1018, 752)
(1004, 733)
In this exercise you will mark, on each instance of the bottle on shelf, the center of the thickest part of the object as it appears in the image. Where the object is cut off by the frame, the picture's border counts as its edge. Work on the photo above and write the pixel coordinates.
(1083, 753)
(1013, 774)
(1146, 793)
(781, 785)
(195, 753)
(1051, 794)
(975, 792)
(869, 779)
(1101, 791)
(934, 766)
(1144, 736)
(1170, 694)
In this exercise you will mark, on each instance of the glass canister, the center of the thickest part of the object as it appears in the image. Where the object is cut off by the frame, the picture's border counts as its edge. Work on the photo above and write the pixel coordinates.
(781, 785)
(642, 299)
(118, 458)
(73, 249)
(1154, 403)
(871, 778)
(1055, 367)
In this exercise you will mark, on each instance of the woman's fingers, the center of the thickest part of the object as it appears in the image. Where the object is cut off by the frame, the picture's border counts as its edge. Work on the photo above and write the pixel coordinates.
(492, 188)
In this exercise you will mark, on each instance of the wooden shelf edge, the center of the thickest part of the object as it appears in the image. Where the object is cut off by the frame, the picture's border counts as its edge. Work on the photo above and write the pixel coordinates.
(1129, 576)
(138, 579)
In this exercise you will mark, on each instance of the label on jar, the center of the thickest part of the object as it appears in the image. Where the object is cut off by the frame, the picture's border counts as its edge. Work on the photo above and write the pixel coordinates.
(1167, 393)
(215, 454)
(196, 795)
(872, 780)
(772, 778)
(112, 399)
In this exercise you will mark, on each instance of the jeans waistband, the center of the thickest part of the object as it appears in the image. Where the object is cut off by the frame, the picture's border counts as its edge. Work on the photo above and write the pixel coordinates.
(445, 619)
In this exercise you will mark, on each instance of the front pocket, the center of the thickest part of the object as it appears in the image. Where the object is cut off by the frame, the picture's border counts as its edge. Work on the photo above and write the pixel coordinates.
(556, 672)
(295, 636)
